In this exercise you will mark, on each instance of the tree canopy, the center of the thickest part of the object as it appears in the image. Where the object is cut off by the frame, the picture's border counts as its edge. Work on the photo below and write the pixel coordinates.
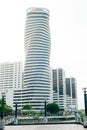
(2, 105)
(27, 107)
(4, 108)
(52, 108)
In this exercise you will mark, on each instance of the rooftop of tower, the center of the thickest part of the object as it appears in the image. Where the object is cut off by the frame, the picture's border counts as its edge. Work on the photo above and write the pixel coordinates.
(36, 9)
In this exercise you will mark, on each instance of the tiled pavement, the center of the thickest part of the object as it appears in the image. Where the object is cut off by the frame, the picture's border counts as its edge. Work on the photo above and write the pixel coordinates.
(46, 127)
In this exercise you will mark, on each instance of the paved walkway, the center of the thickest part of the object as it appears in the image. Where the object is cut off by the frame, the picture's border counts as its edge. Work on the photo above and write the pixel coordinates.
(46, 127)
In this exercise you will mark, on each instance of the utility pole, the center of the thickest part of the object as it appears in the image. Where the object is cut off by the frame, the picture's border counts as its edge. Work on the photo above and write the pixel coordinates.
(45, 108)
(85, 102)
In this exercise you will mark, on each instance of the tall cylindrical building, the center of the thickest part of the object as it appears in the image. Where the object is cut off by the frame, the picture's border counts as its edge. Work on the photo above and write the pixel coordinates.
(37, 81)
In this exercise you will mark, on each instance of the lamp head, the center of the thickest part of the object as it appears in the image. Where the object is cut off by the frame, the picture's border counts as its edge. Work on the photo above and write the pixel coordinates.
(84, 90)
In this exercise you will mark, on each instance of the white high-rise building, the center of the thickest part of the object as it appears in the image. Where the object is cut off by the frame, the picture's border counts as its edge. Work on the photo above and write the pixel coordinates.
(37, 78)
(10, 79)
(11, 75)
(71, 93)
(59, 88)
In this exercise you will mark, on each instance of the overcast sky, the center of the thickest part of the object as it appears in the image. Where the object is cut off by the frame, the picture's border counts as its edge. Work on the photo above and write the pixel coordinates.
(68, 28)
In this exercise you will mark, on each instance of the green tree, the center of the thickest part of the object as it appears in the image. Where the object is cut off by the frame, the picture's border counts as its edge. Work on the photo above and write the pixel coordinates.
(53, 108)
(27, 107)
(4, 108)
(7, 110)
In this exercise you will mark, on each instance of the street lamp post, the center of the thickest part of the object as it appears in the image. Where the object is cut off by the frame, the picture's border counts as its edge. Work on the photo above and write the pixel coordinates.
(16, 110)
(45, 111)
(45, 108)
(85, 102)
(16, 113)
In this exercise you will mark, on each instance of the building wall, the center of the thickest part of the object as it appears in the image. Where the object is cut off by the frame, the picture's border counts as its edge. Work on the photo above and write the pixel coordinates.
(10, 75)
(71, 92)
(59, 89)
(17, 98)
(10, 79)
(37, 78)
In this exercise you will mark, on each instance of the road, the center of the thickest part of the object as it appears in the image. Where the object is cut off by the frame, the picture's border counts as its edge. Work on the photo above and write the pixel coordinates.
(46, 127)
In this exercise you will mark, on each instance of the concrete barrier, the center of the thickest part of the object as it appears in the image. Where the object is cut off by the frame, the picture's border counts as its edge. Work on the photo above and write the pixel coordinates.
(1, 125)
(85, 122)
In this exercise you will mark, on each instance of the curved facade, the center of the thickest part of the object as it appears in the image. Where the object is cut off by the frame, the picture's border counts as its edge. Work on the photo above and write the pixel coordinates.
(37, 80)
